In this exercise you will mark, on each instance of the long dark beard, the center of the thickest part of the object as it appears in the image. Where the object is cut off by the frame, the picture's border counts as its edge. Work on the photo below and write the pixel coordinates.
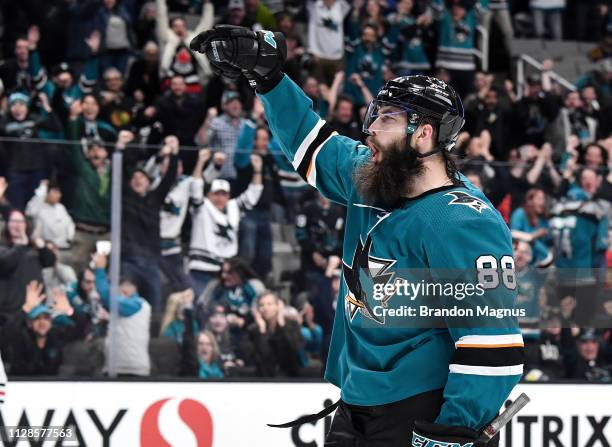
(386, 182)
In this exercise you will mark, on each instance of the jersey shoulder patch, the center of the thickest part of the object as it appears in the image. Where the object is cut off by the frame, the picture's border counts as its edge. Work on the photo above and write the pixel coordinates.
(465, 199)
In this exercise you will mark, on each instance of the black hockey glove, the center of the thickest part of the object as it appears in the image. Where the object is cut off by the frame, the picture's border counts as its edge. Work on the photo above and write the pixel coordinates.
(426, 434)
(233, 50)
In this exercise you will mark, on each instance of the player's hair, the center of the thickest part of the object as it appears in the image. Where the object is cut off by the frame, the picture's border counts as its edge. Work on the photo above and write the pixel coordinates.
(449, 159)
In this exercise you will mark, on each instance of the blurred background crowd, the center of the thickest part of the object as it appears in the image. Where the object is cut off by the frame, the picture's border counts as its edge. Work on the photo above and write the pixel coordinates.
(230, 263)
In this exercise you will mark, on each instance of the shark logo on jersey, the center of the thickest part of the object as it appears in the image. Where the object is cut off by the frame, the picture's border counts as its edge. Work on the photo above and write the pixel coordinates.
(360, 278)
(462, 198)
(223, 231)
(422, 441)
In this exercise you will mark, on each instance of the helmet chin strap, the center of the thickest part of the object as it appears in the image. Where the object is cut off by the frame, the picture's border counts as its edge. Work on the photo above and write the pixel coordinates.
(426, 154)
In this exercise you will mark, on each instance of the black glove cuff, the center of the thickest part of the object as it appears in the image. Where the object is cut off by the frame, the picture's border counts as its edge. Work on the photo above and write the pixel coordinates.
(266, 85)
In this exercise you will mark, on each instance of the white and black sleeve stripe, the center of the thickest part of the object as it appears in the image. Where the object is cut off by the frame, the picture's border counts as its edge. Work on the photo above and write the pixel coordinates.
(488, 355)
(305, 157)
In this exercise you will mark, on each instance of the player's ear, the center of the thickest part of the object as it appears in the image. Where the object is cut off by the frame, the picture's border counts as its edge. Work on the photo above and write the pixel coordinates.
(424, 131)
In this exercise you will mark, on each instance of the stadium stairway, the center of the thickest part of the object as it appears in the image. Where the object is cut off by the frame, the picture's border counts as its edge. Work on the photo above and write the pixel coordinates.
(285, 257)
(570, 57)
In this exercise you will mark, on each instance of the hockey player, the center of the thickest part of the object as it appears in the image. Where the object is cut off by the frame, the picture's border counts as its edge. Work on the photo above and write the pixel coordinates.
(407, 208)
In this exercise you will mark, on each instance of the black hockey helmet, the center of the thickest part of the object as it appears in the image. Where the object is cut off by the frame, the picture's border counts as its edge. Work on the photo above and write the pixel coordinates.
(421, 97)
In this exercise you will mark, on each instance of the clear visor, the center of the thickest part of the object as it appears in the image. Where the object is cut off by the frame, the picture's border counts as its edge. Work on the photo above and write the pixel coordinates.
(384, 116)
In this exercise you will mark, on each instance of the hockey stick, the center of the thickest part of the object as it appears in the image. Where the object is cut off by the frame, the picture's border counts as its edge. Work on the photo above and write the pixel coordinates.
(498, 423)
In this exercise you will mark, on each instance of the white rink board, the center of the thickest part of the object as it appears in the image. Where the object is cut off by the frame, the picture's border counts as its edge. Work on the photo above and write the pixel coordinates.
(156, 414)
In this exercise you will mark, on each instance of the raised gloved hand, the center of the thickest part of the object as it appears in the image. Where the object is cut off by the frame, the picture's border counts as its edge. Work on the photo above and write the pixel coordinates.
(234, 50)
(427, 434)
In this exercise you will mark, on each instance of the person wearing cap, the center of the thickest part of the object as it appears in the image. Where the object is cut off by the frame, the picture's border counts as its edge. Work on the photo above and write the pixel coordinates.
(34, 342)
(221, 132)
(91, 170)
(175, 208)
(132, 351)
(173, 38)
(534, 112)
(589, 365)
(61, 89)
(26, 162)
(215, 223)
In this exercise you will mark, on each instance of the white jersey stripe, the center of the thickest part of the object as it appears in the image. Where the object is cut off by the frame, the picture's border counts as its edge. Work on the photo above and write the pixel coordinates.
(312, 174)
(512, 370)
(507, 339)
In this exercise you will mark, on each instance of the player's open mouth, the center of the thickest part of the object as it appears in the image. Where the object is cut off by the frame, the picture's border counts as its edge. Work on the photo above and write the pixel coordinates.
(376, 154)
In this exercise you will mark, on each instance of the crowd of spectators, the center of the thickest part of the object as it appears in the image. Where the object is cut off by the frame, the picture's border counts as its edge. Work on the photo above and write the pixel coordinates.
(206, 190)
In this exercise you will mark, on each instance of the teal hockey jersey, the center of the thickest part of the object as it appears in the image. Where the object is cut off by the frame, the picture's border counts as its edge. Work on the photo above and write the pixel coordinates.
(372, 359)
(456, 41)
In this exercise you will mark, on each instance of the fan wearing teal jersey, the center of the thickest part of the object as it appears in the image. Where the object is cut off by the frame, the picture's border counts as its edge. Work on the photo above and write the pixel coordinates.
(408, 210)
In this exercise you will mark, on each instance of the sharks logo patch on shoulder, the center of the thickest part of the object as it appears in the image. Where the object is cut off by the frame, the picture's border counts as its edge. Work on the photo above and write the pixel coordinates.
(463, 198)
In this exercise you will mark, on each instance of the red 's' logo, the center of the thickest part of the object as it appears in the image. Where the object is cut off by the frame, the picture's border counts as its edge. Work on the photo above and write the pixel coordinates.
(193, 427)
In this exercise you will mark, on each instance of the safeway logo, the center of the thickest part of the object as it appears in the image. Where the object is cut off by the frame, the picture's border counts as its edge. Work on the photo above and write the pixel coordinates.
(170, 422)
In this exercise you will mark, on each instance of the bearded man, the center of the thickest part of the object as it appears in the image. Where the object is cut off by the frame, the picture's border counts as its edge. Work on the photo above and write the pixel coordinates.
(403, 381)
